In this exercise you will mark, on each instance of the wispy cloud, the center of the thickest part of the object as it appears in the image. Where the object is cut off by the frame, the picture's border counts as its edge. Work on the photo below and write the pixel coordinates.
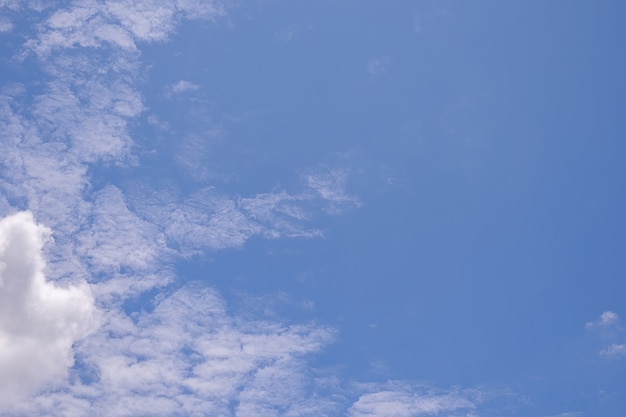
(607, 319)
(614, 351)
(180, 87)
(330, 186)
(398, 399)
(5, 25)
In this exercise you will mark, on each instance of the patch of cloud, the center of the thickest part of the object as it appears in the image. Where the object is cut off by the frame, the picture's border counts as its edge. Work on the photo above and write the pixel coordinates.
(608, 326)
(208, 220)
(330, 186)
(614, 351)
(607, 319)
(406, 400)
(39, 321)
(5, 25)
(119, 24)
(117, 238)
(180, 87)
(569, 414)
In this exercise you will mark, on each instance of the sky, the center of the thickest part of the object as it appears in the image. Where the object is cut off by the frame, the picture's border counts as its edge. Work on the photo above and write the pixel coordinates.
(330, 208)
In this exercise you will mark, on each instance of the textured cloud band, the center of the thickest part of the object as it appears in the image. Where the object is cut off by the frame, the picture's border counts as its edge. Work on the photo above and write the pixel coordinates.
(39, 322)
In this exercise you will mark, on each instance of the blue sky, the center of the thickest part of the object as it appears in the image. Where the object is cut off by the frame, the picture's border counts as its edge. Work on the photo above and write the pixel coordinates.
(330, 208)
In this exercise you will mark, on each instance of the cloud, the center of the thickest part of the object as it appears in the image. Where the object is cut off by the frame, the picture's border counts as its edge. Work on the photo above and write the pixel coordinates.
(118, 24)
(405, 400)
(614, 351)
(330, 186)
(5, 25)
(607, 319)
(609, 328)
(189, 357)
(39, 321)
(180, 87)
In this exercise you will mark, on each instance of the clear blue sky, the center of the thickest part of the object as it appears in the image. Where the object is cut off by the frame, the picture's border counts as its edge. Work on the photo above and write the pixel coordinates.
(339, 208)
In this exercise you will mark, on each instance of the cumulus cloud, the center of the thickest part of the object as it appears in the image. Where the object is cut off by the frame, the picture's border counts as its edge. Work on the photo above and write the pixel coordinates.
(39, 321)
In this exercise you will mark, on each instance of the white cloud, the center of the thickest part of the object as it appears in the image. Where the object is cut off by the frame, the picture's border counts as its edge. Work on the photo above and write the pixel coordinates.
(330, 185)
(614, 351)
(607, 319)
(39, 322)
(117, 238)
(119, 24)
(405, 400)
(609, 328)
(181, 86)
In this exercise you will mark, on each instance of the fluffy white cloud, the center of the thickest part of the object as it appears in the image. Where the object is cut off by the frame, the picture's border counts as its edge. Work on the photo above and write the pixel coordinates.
(39, 322)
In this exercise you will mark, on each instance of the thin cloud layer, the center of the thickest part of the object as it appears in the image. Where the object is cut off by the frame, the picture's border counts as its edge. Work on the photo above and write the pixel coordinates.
(39, 322)
(405, 400)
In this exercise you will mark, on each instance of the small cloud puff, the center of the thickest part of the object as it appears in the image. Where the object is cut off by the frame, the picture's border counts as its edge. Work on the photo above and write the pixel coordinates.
(608, 326)
(180, 87)
(607, 319)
